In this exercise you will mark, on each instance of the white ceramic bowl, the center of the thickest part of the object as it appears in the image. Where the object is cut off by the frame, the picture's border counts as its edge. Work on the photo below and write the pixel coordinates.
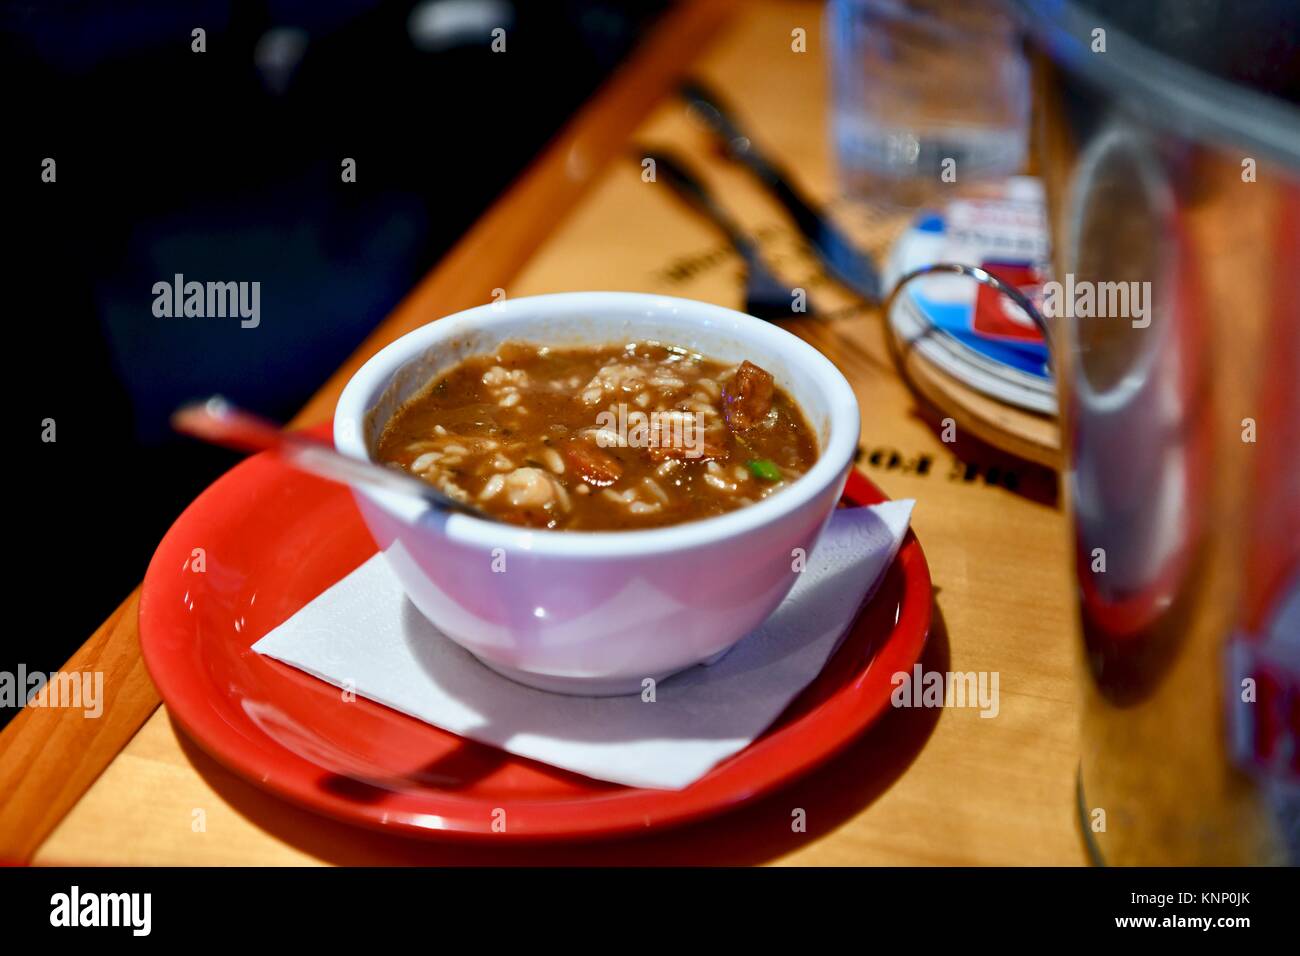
(599, 612)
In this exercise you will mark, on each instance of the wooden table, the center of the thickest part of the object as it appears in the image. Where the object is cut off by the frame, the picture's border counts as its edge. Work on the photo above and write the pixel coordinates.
(922, 787)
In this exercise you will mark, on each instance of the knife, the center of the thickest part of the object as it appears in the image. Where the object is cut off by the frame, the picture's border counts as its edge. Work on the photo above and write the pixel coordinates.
(847, 264)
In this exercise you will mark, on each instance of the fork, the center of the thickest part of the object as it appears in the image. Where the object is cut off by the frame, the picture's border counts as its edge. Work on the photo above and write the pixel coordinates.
(766, 296)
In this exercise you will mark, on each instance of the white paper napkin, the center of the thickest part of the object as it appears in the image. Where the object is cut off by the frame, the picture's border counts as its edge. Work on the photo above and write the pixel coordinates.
(363, 634)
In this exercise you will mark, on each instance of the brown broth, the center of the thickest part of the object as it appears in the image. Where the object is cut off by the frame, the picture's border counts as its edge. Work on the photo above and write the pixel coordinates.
(518, 434)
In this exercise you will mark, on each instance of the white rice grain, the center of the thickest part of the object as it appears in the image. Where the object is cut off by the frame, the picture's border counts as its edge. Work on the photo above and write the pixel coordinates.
(492, 488)
(653, 487)
(553, 460)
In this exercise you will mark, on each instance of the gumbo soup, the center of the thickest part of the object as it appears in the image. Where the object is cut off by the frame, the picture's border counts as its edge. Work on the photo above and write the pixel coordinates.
(607, 438)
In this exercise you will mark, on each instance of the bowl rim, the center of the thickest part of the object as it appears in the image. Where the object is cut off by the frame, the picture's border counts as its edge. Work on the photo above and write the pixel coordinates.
(832, 464)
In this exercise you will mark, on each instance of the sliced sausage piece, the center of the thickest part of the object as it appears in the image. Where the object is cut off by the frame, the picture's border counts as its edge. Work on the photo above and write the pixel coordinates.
(747, 398)
(592, 464)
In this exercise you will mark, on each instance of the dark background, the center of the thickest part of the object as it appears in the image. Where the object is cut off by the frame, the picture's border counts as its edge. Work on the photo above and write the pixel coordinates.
(225, 166)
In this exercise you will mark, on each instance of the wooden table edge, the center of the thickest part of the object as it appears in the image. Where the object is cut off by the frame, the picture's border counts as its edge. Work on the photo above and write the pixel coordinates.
(49, 757)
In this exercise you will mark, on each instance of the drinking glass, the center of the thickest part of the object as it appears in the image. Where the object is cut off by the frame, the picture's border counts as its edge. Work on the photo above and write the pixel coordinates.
(924, 93)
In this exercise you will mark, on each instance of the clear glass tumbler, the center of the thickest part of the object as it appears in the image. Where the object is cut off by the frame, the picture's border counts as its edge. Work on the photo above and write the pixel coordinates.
(925, 92)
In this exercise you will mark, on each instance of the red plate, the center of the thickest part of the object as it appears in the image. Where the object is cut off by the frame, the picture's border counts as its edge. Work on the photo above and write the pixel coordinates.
(268, 539)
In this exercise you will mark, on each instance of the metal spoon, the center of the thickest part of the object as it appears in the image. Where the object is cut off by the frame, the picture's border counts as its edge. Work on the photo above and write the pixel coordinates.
(220, 423)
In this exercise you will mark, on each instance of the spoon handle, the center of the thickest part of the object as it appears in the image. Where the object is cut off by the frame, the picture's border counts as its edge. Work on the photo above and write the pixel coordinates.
(218, 422)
